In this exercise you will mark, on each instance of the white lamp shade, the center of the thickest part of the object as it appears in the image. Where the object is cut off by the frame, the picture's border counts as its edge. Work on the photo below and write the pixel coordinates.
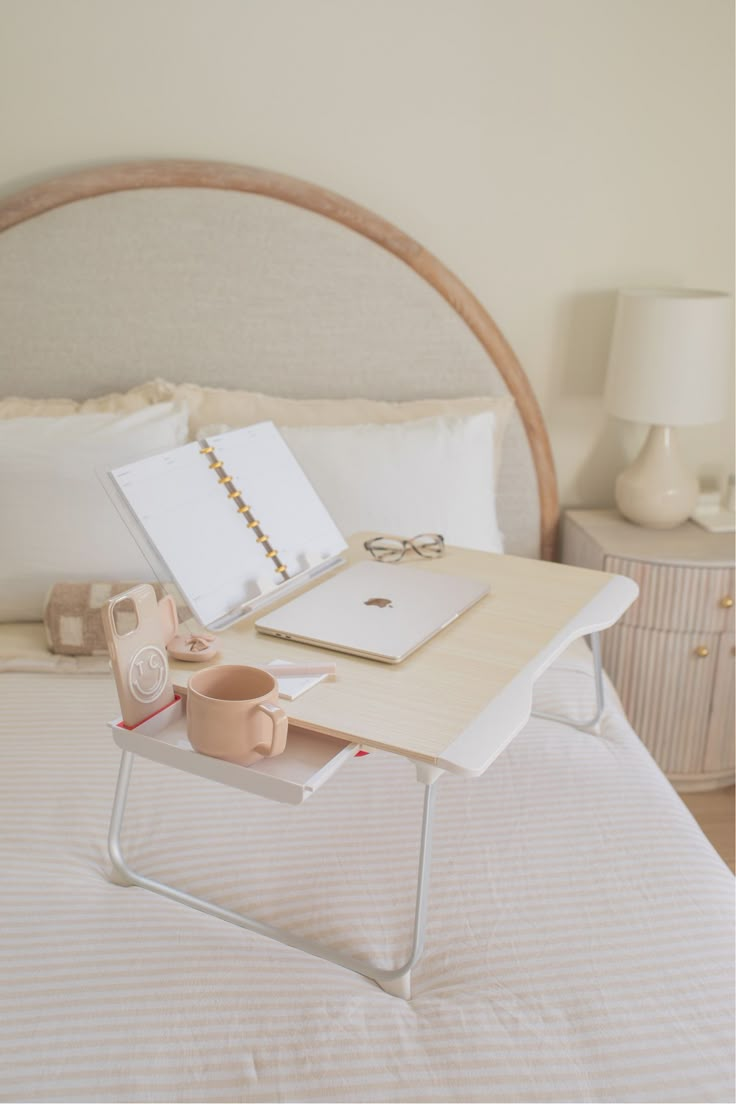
(671, 356)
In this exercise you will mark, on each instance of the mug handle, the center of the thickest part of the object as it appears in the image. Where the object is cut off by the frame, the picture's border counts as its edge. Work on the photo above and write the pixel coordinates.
(280, 723)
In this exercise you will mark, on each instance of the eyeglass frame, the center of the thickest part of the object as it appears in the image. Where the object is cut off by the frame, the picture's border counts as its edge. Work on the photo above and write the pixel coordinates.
(407, 543)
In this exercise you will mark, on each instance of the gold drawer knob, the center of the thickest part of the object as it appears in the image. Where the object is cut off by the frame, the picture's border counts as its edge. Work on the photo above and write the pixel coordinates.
(726, 603)
(701, 651)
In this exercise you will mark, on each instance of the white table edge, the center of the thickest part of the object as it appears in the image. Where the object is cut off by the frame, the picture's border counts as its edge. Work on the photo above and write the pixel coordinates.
(473, 751)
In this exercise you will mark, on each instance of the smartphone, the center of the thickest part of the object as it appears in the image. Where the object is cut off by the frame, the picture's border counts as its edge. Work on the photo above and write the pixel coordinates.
(136, 639)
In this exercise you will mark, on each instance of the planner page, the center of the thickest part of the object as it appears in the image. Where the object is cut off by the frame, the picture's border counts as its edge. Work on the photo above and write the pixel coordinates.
(207, 546)
(281, 497)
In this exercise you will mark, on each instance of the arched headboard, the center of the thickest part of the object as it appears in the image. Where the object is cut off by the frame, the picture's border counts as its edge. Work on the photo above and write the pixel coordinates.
(233, 276)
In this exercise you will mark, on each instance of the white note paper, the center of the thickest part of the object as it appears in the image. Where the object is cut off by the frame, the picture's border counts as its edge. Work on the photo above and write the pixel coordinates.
(292, 688)
(197, 532)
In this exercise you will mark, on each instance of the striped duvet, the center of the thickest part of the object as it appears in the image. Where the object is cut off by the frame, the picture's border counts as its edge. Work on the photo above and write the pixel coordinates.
(579, 945)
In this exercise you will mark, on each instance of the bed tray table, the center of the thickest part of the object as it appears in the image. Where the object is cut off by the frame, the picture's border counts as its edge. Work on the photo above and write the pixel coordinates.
(452, 706)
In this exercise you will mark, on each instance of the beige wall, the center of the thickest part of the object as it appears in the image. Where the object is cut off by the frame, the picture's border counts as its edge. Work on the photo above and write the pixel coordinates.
(546, 150)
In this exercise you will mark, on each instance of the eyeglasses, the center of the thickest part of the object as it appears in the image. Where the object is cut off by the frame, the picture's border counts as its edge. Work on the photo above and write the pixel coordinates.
(393, 549)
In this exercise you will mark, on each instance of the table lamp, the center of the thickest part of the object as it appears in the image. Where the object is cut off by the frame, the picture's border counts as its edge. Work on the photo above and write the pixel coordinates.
(668, 366)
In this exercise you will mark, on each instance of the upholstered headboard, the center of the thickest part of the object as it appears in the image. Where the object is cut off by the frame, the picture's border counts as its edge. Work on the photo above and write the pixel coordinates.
(235, 277)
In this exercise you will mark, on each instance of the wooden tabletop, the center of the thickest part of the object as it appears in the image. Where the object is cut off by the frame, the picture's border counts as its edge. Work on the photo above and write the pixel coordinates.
(458, 700)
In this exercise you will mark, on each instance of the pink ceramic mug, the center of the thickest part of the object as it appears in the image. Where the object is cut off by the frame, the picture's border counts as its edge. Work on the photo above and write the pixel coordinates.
(232, 714)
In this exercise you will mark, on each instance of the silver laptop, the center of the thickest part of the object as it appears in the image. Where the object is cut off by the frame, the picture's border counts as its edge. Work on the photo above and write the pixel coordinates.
(381, 611)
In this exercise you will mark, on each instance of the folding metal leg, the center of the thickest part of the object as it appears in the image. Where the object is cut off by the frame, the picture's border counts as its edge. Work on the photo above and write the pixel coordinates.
(121, 874)
(600, 702)
(396, 982)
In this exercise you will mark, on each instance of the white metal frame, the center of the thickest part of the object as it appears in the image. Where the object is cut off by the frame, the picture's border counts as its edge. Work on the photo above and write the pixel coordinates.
(397, 982)
(470, 755)
(600, 698)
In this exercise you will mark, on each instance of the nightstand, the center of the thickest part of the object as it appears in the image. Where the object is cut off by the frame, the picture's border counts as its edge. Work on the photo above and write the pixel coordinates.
(671, 656)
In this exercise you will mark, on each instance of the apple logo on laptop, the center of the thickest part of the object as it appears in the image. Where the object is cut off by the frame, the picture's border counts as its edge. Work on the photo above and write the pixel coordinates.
(380, 602)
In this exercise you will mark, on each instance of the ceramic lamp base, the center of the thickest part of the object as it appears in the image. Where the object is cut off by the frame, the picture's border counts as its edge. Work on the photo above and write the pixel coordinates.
(657, 491)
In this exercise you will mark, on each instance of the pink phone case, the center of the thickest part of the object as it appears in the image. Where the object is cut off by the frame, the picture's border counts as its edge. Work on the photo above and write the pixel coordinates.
(138, 658)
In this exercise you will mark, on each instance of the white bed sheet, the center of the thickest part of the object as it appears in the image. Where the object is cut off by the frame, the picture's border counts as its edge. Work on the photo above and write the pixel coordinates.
(579, 945)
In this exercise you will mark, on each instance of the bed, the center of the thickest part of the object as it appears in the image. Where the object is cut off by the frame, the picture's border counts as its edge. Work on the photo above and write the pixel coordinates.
(580, 937)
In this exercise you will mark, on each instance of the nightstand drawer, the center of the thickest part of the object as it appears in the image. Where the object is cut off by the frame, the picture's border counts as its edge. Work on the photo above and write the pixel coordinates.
(677, 597)
(666, 682)
(720, 751)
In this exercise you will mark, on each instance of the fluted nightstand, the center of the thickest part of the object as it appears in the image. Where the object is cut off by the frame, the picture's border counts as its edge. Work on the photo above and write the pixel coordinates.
(671, 656)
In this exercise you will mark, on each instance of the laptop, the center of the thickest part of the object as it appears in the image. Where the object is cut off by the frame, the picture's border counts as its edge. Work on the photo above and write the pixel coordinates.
(377, 610)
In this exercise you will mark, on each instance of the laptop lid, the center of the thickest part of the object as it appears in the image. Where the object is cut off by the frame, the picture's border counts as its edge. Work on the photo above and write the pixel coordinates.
(381, 611)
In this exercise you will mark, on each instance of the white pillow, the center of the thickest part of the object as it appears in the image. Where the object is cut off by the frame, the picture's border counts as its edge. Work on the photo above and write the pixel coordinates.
(56, 519)
(434, 475)
(212, 405)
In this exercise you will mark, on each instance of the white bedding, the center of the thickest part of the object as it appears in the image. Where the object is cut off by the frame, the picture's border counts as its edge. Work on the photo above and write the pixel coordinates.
(579, 945)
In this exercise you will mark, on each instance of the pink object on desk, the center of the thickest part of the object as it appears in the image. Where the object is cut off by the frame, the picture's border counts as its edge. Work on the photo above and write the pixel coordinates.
(137, 656)
(300, 670)
(193, 647)
(232, 714)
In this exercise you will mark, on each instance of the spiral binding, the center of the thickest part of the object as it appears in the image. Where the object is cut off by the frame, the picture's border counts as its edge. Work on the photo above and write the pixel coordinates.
(243, 508)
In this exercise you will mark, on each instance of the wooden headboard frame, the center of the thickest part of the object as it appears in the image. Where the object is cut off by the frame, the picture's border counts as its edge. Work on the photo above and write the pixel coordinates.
(36, 200)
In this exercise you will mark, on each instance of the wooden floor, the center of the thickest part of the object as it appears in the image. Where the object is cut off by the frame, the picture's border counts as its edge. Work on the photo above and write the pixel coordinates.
(714, 813)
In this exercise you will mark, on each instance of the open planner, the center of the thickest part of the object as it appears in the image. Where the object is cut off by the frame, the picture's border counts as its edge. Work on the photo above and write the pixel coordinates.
(231, 518)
